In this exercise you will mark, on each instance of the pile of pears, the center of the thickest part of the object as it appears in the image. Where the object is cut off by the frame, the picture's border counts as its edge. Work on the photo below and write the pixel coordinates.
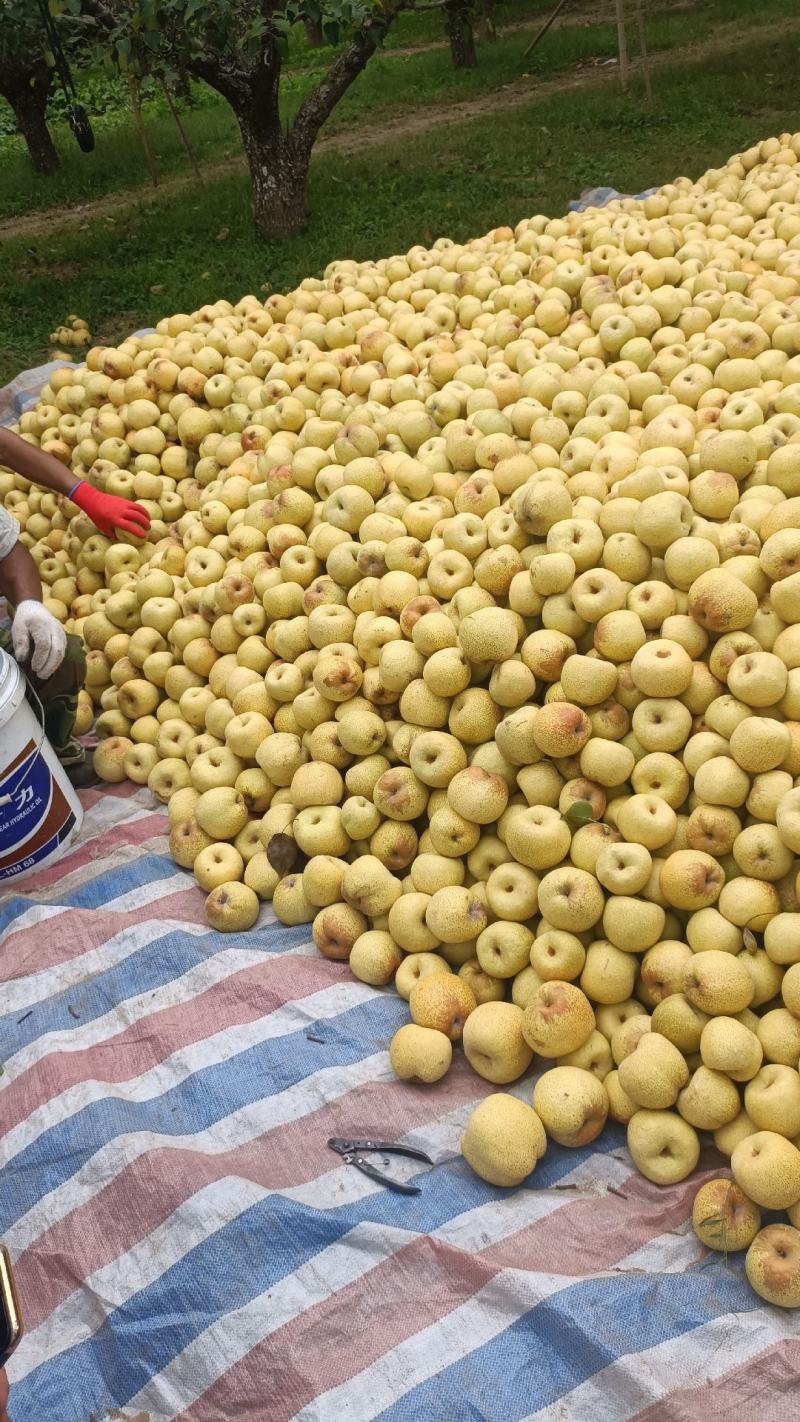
(468, 633)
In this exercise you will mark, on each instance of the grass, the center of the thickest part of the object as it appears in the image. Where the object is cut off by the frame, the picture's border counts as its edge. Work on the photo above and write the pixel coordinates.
(116, 162)
(393, 83)
(169, 254)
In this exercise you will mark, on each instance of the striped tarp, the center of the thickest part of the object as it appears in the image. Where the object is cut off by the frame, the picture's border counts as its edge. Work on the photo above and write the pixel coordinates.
(599, 197)
(188, 1248)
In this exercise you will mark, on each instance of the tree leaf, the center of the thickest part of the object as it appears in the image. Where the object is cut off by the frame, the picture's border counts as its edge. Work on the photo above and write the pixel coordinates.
(579, 813)
(282, 853)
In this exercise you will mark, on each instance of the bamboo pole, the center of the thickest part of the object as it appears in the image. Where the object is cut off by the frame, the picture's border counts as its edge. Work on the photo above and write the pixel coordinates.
(181, 130)
(622, 45)
(648, 87)
(136, 105)
(545, 27)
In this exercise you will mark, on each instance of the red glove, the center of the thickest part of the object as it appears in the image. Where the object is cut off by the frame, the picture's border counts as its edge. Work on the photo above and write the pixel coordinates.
(108, 512)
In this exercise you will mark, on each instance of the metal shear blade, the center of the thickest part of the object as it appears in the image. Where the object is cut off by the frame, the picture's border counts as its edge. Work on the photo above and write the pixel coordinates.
(350, 1151)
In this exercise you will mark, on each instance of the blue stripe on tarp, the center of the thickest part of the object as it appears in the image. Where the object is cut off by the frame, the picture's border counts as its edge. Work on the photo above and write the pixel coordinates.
(205, 1097)
(554, 1347)
(245, 1258)
(124, 879)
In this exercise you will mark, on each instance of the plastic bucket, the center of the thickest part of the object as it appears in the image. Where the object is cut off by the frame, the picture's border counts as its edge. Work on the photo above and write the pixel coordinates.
(40, 814)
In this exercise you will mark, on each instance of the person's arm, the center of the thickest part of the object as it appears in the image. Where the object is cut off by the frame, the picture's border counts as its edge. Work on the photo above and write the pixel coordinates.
(35, 632)
(19, 576)
(108, 512)
(34, 463)
(3, 1395)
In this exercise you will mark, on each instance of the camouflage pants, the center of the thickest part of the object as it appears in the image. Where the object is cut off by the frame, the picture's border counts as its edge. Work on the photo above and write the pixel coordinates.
(59, 696)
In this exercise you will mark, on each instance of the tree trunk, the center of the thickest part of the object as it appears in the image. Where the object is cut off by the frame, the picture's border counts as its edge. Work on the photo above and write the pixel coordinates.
(488, 28)
(278, 159)
(314, 33)
(27, 93)
(278, 174)
(458, 24)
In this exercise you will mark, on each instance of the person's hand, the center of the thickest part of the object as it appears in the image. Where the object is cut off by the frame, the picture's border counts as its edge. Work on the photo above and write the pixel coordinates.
(109, 513)
(3, 1395)
(35, 630)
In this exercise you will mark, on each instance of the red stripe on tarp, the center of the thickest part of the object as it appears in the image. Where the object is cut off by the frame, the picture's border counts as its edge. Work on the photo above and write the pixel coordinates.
(609, 1225)
(764, 1389)
(75, 931)
(345, 1333)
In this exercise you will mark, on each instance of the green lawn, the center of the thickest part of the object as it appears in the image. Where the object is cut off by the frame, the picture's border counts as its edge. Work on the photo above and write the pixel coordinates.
(393, 83)
(168, 255)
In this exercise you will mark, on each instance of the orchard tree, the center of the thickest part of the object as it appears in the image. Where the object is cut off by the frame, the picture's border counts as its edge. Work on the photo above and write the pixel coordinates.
(238, 48)
(26, 74)
(458, 17)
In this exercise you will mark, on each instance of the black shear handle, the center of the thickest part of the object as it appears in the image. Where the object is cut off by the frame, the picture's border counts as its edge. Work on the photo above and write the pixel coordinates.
(367, 1168)
(344, 1143)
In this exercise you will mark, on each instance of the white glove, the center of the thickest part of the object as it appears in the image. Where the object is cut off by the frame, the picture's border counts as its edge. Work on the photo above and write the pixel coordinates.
(34, 626)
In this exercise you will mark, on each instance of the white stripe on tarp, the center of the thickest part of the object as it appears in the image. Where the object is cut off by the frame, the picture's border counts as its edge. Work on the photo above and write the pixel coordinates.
(184, 1062)
(686, 1252)
(690, 1360)
(239, 1128)
(114, 810)
(230, 1338)
(591, 1179)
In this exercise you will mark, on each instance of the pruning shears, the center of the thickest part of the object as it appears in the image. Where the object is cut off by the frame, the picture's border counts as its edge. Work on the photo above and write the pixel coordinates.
(350, 1151)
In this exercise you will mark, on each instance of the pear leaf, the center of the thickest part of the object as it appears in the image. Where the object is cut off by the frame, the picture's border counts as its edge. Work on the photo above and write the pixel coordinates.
(579, 813)
(282, 853)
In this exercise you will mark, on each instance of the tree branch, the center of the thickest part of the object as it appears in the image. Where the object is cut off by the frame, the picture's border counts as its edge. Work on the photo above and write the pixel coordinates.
(100, 13)
(320, 103)
(221, 74)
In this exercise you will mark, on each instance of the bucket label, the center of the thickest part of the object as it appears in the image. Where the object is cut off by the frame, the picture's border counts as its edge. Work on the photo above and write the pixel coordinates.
(35, 816)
